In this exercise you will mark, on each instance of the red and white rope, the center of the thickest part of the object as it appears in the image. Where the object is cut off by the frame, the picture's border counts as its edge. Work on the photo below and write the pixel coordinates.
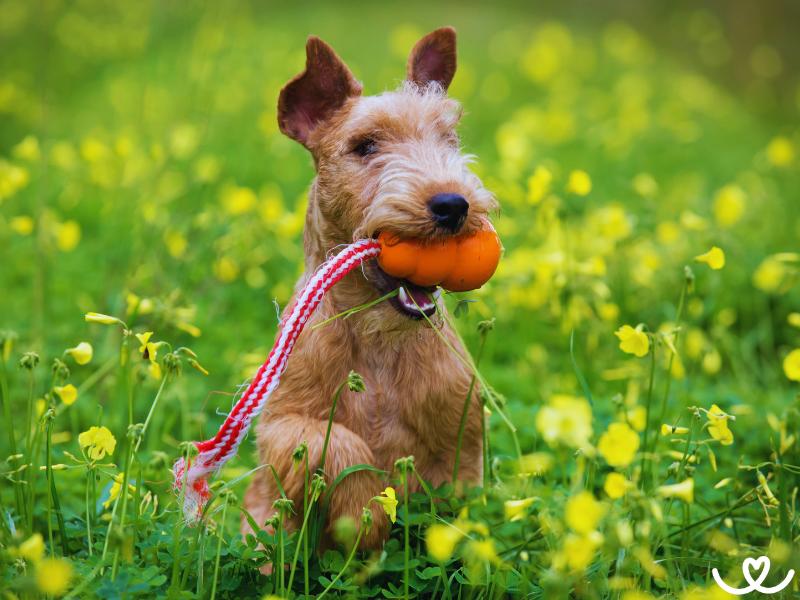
(214, 453)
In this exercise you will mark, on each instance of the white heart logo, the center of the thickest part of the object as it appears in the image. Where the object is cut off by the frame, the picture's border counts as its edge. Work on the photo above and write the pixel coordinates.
(760, 566)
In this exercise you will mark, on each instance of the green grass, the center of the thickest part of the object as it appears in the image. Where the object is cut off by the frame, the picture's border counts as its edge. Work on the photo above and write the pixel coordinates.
(142, 176)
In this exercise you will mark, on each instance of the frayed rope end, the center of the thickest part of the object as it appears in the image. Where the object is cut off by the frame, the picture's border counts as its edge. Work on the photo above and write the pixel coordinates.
(195, 495)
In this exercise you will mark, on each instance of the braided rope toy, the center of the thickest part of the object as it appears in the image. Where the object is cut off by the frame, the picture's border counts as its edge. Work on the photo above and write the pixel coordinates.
(215, 452)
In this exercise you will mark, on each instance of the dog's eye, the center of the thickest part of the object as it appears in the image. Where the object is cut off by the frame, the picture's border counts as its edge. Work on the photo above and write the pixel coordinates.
(366, 147)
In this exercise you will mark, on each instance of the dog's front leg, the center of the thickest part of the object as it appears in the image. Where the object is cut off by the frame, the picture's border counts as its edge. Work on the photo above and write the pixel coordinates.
(279, 435)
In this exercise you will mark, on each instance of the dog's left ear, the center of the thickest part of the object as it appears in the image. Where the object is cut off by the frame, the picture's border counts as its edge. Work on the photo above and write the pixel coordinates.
(315, 94)
(433, 59)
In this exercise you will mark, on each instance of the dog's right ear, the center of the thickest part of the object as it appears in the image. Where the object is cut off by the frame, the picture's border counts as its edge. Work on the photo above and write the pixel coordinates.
(316, 93)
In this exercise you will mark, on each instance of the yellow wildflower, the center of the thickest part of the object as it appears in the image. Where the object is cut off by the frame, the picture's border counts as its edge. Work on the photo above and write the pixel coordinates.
(791, 365)
(618, 445)
(116, 488)
(148, 349)
(583, 512)
(483, 550)
(714, 258)
(718, 425)
(68, 393)
(82, 353)
(441, 540)
(683, 490)
(578, 551)
(539, 184)
(238, 200)
(226, 269)
(615, 485)
(388, 500)
(515, 510)
(98, 441)
(53, 576)
(780, 152)
(535, 463)
(729, 204)
(22, 224)
(633, 341)
(566, 420)
(28, 149)
(32, 549)
(793, 319)
(93, 317)
(673, 430)
(579, 183)
(68, 235)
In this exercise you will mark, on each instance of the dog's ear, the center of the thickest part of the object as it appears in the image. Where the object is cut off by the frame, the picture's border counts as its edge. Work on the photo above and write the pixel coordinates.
(316, 93)
(433, 58)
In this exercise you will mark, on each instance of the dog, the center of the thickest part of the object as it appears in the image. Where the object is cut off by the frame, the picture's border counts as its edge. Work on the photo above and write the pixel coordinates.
(393, 163)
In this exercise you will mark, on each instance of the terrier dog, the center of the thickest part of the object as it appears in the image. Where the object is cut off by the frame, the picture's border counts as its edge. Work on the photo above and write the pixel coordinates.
(390, 162)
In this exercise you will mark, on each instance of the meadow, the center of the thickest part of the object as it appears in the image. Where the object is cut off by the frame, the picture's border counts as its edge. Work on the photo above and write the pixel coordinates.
(640, 340)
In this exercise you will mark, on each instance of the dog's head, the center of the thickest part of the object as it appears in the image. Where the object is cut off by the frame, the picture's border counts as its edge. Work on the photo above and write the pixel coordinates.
(390, 162)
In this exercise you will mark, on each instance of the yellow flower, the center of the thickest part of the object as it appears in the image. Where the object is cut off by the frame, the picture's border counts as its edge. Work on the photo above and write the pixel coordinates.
(238, 200)
(714, 258)
(148, 349)
(791, 365)
(93, 317)
(618, 445)
(616, 485)
(578, 551)
(539, 184)
(226, 269)
(729, 204)
(633, 341)
(483, 550)
(579, 183)
(68, 235)
(566, 420)
(98, 441)
(683, 490)
(53, 576)
(32, 549)
(388, 500)
(536, 463)
(116, 487)
(793, 319)
(28, 149)
(718, 425)
(673, 430)
(515, 510)
(441, 541)
(780, 152)
(82, 353)
(583, 512)
(68, 393)
(22, 224)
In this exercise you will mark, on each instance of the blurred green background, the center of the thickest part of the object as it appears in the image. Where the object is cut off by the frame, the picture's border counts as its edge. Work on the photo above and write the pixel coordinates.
(140, 158)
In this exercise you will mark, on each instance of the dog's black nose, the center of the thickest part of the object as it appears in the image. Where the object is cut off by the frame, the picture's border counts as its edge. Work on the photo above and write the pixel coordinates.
(449, 210)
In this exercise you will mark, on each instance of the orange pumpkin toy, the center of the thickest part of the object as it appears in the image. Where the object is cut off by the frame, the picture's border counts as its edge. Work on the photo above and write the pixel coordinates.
(458, 264)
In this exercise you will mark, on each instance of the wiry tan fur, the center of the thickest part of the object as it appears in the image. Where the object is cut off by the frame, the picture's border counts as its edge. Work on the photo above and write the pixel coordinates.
(415, 387)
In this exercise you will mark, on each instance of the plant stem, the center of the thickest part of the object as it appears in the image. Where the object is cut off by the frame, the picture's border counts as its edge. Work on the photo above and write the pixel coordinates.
(90, 476)
(307, 506)
(124, 494)
(219, 549)
(464, 411)
(648, 406)
(337, 393)
(12, 441)
(52, 495)
(152, 410)
(345, 565)
(406, 546)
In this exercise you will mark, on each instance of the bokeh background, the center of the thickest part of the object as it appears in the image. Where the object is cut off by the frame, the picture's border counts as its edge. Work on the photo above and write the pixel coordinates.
(141, 170)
